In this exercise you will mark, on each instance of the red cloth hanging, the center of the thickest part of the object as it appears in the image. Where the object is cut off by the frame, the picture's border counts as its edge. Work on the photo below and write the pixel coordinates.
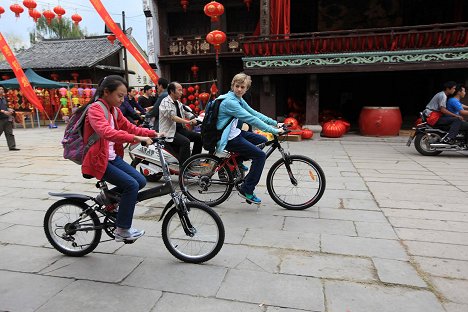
(280, 17)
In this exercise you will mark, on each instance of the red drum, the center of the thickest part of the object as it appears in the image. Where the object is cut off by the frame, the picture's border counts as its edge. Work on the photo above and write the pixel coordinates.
(380, 121)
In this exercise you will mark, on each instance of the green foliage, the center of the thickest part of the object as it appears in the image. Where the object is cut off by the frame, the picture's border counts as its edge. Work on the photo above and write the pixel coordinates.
(57, 29)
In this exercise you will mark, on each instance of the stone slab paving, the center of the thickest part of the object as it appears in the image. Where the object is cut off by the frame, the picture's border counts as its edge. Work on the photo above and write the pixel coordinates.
(382, 238)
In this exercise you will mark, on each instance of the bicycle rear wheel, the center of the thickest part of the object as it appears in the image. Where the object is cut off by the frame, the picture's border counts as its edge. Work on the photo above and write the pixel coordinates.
(308, 187)
(205, 237)
(200, 181)
(68, 233)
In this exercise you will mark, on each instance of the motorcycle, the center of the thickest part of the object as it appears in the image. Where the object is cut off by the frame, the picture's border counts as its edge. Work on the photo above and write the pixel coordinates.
(428, 139)
(146, 158)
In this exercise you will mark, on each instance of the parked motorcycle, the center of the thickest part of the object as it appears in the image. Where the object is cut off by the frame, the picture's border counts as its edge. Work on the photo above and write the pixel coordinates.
(428, 140)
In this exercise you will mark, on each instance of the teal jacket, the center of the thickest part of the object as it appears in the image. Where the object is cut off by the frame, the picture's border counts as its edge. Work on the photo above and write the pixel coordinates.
(232, 106)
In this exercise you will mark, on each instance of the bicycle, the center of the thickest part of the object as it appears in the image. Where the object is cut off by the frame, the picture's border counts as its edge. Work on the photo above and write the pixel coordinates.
(191, 231)
(294, 182)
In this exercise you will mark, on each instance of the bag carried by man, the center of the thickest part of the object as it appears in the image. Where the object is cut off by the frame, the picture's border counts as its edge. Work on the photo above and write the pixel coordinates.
(74, 147)
(210, 135)
(433, 117)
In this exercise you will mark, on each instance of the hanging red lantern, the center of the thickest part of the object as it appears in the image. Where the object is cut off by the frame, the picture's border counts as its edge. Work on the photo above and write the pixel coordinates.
(184, 4)
(214, 89)
(191, 97)
(30, 4)
(76, 18)
(2, 10)
(59, 11)
(17, 9)
(111, 38)
(213, 10)
(35, 14)
(204, 97)
(194, 70)
(49, 16)
(5, 77)
(75, 75)
(216, 38)
(197, 87)
(54, 76)
(247, 4)
(190, 89)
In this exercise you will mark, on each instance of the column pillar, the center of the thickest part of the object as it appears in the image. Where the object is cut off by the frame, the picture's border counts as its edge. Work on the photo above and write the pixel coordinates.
(312, 104)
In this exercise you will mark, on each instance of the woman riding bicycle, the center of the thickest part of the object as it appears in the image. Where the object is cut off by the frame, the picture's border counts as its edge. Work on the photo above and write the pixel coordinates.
(104, 158)
(232, 109)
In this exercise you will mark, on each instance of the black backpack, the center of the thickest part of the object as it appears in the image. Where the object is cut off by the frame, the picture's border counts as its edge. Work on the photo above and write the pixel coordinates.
(210, 135)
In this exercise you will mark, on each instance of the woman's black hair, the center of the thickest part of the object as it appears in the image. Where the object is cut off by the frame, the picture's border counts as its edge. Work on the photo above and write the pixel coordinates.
(111, 83)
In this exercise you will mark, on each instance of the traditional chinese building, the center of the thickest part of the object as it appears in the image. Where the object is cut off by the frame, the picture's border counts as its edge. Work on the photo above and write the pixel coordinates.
(306, 57)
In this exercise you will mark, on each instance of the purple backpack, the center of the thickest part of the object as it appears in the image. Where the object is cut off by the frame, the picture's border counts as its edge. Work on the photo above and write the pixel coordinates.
(74, 147)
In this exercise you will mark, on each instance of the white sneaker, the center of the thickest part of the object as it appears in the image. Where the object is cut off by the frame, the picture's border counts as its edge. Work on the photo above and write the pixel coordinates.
(128, 234)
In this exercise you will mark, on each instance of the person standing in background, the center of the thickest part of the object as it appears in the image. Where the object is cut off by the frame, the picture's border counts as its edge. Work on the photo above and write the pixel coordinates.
(162, 92)
(6, 121)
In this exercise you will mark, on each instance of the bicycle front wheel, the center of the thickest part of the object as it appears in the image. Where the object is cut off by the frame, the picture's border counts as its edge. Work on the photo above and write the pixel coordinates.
(67, 232)
(300, 190)
(194, 237)
(201, 180)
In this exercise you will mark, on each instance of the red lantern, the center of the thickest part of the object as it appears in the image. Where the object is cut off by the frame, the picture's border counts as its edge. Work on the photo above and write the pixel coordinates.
(2, 10)
(204, 97)
(194, 70)
(5, 77)
(294, 124)
(17, 9)
(49, 15)
(59, 11)
(192, 107)
(30, 4)
(35, 14)
(213, 89)
(216, 38)
(191, 97)
(197, 87)
(111, 38)
(307, 134)
(247, 4)
(54, 76)
(190, 89)
(184, 4)
(213, 10)
(76, 18)
(75, 75)
(333, 129)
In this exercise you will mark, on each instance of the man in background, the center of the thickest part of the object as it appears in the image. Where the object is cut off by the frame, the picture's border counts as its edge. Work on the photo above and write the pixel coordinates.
(6, 121)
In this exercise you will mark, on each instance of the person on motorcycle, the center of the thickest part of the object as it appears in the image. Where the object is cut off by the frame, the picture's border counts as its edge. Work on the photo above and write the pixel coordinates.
(104, 158)
(162, 93)
(129, 111)
(234, 108)
(172, 120)
(439, 104)
(454, 103)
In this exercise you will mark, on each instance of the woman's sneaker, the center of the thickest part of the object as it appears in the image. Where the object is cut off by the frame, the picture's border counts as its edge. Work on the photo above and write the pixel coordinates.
(128, 234)
(250, 198)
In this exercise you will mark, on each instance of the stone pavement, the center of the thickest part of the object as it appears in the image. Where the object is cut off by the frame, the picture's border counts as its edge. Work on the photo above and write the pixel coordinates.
(390, 234)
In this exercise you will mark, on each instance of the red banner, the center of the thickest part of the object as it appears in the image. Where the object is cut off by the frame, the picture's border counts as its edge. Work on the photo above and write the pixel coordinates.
(23, 81)
(124, 40)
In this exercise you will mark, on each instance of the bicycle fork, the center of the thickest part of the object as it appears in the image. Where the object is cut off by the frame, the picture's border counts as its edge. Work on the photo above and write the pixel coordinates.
(287, 164)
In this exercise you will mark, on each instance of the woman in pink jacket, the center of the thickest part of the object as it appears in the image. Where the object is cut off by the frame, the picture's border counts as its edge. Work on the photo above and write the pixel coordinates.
(104, 158)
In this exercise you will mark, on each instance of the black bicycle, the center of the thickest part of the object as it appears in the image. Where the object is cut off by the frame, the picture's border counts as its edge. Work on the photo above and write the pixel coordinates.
(191, 231)
(294, 181)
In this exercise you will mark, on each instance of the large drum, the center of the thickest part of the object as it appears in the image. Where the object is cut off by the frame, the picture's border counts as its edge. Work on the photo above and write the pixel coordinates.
(380, 121)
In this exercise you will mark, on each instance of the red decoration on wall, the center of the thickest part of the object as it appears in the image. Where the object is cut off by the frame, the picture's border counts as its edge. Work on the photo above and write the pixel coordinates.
(204, 97)
(17, 9)
(213, 10)
(35, 14)
(59, 11)
(111, 38)
(49, 15)
(184, 4)
(247, 4)
(190, 89)
(214, 89)
(54, 76)
(30, 4)
(2, 10)
(194, 70)
(76, 18)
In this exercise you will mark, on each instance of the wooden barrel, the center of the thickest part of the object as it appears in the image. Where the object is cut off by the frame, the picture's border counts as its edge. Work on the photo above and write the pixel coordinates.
(380, 121)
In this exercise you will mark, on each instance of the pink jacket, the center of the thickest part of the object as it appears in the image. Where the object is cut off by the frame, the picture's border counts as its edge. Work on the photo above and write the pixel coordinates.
(96, 159)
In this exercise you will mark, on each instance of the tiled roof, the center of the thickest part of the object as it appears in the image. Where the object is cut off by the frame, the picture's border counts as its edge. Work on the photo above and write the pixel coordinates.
(64, 54)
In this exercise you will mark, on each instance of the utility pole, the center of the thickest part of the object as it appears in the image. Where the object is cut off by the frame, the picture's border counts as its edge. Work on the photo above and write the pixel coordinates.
(124, 49)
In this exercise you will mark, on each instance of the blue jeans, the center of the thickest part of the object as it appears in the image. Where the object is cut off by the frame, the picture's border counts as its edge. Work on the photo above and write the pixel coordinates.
(244, 144)
(128, 182)
(453, 122)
